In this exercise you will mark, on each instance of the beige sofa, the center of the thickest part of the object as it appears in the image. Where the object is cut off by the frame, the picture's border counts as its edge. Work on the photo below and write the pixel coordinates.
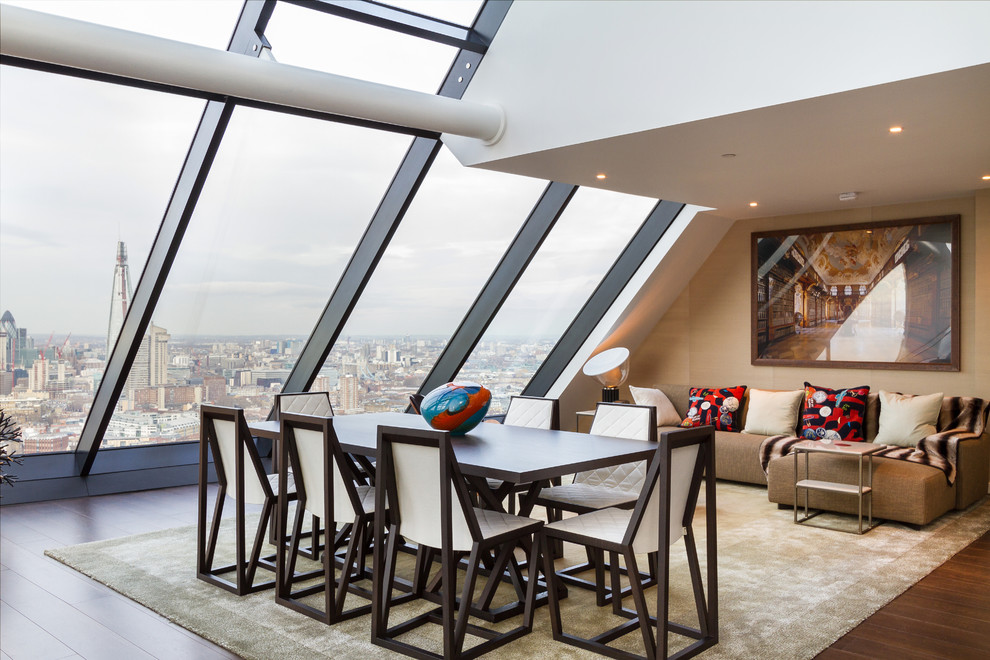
(903, 491)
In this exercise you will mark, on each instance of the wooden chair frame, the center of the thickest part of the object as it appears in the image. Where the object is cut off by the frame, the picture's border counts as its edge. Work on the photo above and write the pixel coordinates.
(244, 567)
(454, 612)
(353, 565)
(659, 476)
(511, 490)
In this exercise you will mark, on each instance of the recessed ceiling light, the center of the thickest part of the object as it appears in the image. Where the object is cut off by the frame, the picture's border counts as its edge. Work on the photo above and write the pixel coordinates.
(601, 176)
(753, 204)
(896, 129)
(728, 155)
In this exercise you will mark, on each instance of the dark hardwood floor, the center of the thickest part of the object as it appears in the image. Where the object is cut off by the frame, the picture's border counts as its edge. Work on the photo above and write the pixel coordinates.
(945, 615)
(48, 611)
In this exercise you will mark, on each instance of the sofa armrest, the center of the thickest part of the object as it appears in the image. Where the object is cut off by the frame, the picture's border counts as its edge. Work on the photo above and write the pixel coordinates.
(972, 470)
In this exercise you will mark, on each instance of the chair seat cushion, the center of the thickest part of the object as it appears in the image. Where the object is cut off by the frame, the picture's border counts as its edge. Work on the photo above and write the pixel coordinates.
(367, 497)
(493, 523)
(608, 525)
(291, 486)
(585, 496)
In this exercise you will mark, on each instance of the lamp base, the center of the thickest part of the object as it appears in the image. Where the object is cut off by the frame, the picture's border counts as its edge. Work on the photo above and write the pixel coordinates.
(610, 394)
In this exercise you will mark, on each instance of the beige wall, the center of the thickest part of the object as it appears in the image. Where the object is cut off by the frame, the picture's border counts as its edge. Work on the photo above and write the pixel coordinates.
(704, 339)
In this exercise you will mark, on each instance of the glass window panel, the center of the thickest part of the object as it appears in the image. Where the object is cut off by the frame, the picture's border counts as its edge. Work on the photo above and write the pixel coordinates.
(583, 245)
(461, 12)
(308, 38)
(192, 21)
(453, 235)
(75, 178)
(285, 204)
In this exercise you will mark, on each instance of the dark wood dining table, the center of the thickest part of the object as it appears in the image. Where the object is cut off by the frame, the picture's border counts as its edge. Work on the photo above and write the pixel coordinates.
(510, 453)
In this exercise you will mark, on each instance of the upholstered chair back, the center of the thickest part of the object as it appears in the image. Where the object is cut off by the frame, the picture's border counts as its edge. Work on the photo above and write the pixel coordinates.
(313, 447)
(419, 475)
(229, 433)
(683, 464)
(621, 421)
(532, 412)
(305, 403)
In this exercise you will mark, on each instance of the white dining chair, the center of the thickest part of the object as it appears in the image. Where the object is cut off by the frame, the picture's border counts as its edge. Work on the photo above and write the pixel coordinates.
(529, 412)
(663, 514)
(225, 436)
(429, 505)
(328, 489)
(612, 486)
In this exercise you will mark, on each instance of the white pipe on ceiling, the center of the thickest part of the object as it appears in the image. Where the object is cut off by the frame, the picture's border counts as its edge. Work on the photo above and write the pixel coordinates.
(37, 36)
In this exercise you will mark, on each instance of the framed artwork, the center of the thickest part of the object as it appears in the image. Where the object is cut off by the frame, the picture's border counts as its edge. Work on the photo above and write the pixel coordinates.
(883, 295)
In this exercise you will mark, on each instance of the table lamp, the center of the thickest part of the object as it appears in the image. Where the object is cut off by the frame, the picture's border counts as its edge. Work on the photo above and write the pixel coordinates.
(611, 368)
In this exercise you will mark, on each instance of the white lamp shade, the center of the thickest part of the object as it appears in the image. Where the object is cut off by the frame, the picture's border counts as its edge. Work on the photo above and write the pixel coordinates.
(610, 367)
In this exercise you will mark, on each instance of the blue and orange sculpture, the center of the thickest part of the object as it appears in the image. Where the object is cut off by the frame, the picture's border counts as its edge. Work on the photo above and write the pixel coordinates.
(456, 407)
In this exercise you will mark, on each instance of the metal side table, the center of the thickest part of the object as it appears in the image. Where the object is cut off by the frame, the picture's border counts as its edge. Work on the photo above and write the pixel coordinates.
(862, 450)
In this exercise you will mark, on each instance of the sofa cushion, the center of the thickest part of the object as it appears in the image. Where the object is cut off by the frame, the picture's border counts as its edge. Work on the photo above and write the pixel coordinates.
(773, 413)
(720, 408)
(834, 414)
(647, 396)
(906, 419)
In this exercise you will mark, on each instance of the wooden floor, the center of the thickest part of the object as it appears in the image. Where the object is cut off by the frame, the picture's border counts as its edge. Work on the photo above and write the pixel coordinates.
(48, 611)
(946, 615)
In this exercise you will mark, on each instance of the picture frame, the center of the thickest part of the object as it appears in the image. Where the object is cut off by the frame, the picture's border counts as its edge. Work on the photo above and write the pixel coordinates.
(879, 295)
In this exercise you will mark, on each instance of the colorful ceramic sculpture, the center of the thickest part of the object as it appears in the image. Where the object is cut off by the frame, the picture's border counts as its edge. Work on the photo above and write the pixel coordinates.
(456, 407)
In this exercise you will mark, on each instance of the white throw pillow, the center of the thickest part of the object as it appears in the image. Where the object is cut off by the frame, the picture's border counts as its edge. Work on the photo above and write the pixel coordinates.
(647, 396)
(773, 413)
(906, 419)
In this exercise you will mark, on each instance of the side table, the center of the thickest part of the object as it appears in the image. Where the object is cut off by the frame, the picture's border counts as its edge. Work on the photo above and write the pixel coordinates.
(860, 450)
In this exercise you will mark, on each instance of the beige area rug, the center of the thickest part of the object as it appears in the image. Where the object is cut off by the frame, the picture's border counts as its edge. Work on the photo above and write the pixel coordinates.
(785, 591)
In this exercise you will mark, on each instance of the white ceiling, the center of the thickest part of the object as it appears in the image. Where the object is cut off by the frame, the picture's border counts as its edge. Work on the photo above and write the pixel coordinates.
(804, 93)
(797, 157)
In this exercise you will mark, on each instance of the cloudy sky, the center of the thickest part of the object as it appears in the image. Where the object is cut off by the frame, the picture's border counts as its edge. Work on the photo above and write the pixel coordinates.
(84, 164)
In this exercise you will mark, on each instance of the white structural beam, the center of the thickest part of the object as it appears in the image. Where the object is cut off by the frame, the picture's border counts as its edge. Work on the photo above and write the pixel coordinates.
(40, 37)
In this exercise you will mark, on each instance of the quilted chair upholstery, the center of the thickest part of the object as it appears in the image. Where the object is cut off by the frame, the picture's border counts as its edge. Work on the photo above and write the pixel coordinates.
(304, 403)
(616, 485)
(224, 435)
(329, 490)
(663, 514)
(429, 505)
(530, 412)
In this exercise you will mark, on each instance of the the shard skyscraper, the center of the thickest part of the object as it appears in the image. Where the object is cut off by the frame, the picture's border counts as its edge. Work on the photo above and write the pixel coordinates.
(120, 300)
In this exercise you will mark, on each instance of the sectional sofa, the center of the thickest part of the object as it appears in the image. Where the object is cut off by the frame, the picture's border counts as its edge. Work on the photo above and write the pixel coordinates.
(903, 491)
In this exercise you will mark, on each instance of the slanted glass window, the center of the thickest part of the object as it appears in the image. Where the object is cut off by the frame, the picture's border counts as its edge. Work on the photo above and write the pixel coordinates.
(457, 228)
(587, 239)
(83, 166)
(314, 40)
(459, 12)
(281, 212)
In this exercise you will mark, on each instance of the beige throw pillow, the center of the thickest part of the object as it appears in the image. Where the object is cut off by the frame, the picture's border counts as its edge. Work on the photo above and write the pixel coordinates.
(773, 413)
(648, 396)
(906, 419)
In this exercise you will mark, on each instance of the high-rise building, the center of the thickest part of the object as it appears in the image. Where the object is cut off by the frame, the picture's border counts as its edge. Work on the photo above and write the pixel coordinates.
(16, 348)
(120, 298)
(151, 363)
(349, 392)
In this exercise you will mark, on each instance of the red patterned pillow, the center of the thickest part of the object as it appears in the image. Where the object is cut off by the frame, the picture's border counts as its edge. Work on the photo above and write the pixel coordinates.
(720, 408)
(834, 414)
